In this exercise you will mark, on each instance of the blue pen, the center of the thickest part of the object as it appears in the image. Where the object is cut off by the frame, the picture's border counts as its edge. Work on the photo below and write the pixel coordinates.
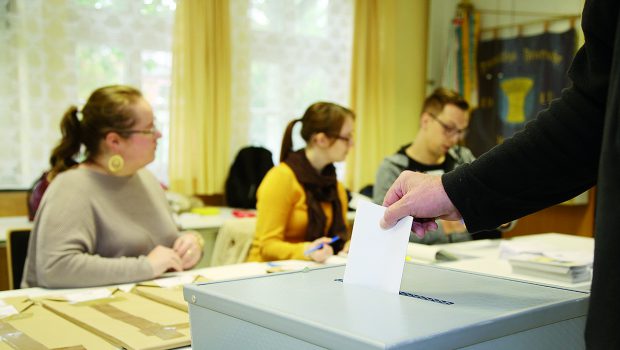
(320, 246)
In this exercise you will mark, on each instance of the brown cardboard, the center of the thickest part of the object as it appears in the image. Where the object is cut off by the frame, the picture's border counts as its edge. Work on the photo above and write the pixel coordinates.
(128, 320)
(171, 296)
(36, 328)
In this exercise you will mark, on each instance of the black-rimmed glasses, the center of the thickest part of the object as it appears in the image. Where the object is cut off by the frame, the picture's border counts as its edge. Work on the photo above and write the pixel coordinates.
(450, 131)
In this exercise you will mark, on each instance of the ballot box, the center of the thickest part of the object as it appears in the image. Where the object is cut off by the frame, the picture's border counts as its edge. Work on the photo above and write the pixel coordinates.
(437, 308)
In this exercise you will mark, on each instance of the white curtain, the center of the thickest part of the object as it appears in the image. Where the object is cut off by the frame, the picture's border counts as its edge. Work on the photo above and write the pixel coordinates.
(287, 54)
(55, 53)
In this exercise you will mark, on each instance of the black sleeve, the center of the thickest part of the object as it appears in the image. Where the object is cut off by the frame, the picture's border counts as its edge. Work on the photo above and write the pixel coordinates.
(556, 156)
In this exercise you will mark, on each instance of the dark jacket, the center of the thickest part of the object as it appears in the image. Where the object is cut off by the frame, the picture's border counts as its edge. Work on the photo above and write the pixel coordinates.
(568, 148)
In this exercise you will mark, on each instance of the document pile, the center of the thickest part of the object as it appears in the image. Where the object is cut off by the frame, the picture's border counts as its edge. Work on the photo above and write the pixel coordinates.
(551, 267)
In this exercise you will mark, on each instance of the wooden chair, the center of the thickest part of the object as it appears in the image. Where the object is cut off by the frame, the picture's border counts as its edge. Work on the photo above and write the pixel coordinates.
(233, 241)
(16, 251)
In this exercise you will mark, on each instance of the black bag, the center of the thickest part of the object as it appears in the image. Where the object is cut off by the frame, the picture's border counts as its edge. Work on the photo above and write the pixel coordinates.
(247, 171)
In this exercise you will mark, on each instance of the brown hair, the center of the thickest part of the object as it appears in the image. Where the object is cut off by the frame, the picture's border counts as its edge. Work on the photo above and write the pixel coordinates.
(436, 101)
(325, 117)
(107, 109)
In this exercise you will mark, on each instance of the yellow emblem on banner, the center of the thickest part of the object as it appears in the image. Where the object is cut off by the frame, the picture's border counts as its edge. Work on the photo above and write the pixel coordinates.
(516, 89)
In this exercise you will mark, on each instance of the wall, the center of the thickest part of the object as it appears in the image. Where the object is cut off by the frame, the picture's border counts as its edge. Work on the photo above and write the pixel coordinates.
(13, 203)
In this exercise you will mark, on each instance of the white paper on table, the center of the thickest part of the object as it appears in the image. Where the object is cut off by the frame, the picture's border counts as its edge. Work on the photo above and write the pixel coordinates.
(376, 256)
(169, 282)
(88, 295)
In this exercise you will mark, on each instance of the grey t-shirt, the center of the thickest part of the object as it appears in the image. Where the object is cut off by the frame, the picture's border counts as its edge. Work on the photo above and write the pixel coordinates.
(94, 229)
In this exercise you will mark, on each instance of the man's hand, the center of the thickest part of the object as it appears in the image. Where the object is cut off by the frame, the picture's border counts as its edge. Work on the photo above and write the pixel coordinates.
(421, 196)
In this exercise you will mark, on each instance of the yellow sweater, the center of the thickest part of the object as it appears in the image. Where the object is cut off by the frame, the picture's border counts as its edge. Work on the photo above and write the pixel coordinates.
(282, 217)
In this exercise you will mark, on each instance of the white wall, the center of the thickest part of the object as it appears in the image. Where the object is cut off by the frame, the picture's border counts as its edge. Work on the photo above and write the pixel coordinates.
(442, 12)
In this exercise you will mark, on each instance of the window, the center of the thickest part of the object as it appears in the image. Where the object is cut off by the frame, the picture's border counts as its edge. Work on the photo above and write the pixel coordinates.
(58, 53)
(287, 54)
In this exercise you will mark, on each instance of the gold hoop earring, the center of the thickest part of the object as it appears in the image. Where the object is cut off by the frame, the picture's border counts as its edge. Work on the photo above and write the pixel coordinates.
(116, 163)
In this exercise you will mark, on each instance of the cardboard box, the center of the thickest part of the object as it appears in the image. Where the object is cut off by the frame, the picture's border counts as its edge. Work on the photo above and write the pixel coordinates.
(127, 320)
(34, 327)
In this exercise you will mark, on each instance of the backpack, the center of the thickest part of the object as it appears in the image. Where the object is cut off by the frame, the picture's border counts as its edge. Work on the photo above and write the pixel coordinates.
(35, 194)
(246, 173)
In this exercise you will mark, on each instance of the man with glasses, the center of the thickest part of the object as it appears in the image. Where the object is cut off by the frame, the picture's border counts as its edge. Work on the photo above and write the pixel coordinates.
(436, 150)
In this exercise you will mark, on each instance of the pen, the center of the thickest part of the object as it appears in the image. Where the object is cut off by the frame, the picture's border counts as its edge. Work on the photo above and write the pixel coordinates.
(320, 246)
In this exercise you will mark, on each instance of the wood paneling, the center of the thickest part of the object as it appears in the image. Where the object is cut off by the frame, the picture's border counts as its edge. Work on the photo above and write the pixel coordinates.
(13, 203)
(573, 219)
(4, 268)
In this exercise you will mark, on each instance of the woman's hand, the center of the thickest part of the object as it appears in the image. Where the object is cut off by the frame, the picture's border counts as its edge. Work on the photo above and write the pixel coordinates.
(163, 259)
(188, 247)
(322, 254)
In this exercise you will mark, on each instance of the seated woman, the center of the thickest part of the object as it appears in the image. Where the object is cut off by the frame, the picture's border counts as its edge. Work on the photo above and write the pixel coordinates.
(106, 220)
(300, 203)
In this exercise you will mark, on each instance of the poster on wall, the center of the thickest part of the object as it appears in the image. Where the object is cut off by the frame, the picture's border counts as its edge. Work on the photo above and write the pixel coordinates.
(517, 78)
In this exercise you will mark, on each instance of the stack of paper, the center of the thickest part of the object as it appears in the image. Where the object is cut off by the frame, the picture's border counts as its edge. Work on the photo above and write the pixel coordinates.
(551, 268)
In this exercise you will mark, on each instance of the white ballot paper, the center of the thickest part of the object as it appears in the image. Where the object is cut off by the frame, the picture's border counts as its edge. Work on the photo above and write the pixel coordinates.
(376, 256)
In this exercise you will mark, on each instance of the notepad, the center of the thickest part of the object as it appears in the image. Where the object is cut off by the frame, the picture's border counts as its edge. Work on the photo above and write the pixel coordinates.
(376, 256)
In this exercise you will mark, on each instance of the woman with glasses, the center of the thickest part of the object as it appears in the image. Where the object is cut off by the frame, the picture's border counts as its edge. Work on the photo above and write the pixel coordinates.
(301, 205)
(436, 149)
(105, 220)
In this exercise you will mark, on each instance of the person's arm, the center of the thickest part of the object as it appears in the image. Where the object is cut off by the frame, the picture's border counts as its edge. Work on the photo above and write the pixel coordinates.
(275, 201)
(556, 156)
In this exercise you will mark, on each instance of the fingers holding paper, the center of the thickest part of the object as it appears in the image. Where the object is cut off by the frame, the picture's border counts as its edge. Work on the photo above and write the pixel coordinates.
(421, 196)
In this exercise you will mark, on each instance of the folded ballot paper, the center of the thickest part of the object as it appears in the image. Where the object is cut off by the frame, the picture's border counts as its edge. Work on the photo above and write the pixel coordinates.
(550, 267)
(376, 256)
(126, 320)
(25, 324)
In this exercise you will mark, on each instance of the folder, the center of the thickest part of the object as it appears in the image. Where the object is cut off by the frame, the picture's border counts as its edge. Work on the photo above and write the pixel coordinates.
(127, 320)
(25, 324)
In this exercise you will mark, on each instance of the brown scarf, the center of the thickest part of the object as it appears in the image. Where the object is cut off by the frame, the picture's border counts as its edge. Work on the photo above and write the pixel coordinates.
(319, 188)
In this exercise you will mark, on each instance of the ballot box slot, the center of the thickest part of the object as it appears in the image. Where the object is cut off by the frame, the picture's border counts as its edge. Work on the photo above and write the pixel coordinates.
(417, 296)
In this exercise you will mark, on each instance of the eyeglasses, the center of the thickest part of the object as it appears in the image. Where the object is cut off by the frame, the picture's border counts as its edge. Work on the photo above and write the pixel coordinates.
(347, 139)
(450, 131)
(152, 131)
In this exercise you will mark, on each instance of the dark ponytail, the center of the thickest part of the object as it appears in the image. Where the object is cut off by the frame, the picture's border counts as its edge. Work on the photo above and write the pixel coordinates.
(287, 140)
(325, 117)
(63, 155)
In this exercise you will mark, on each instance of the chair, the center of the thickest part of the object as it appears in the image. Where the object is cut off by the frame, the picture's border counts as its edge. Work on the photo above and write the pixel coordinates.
(16, 251)
(233, 241)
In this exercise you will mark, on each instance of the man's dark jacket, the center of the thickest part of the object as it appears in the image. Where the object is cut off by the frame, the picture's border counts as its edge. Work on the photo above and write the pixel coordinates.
(568, 148)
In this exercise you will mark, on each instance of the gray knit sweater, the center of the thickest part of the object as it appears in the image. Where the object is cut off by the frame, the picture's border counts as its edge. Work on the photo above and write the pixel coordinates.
(94, 229)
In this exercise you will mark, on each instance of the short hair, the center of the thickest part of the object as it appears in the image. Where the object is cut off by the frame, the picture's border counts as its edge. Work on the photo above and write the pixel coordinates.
(441, 97)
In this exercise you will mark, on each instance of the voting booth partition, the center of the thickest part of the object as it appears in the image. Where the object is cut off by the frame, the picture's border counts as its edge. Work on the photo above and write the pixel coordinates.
(437, 308)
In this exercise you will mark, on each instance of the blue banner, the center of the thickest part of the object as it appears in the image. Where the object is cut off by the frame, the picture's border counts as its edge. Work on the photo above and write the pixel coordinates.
(517, 78)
